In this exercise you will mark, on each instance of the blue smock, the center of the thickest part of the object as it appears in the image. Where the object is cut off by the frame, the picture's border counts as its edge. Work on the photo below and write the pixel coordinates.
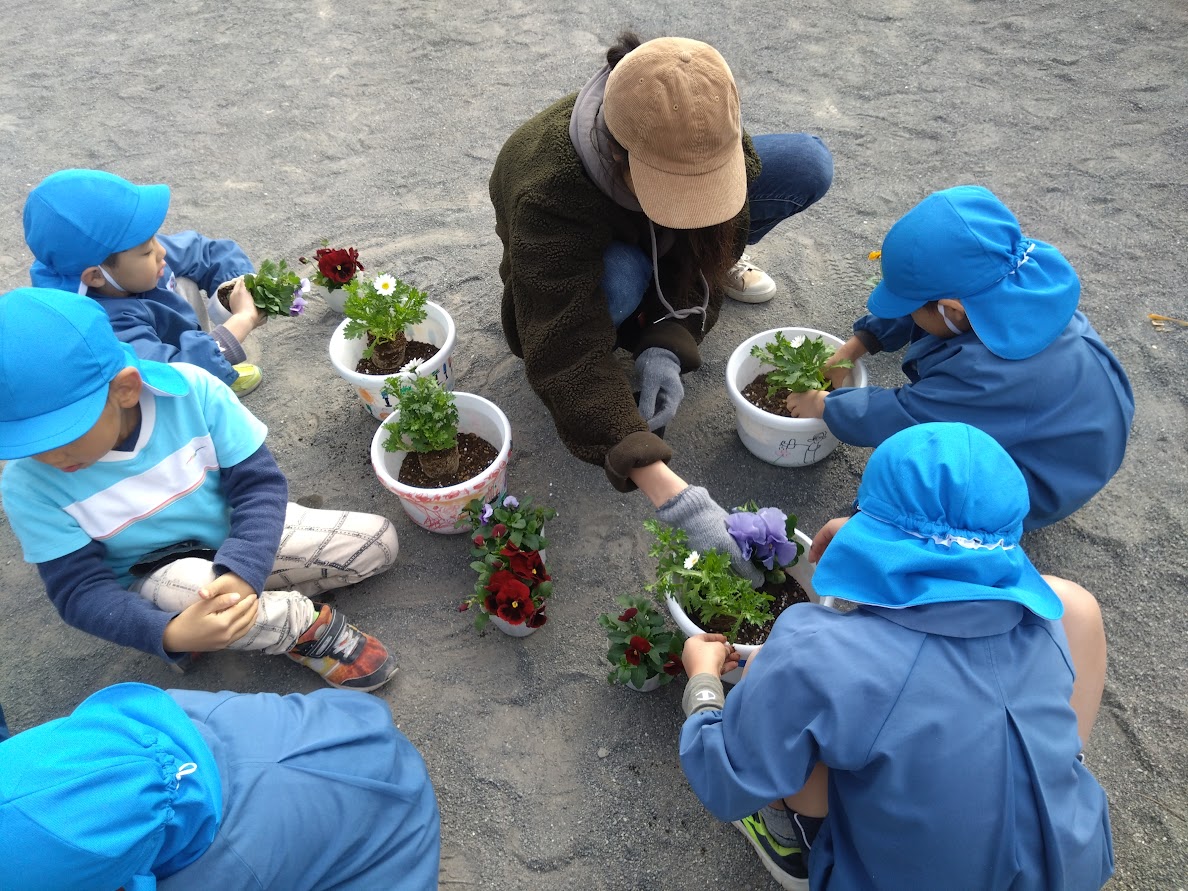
(180, 789)
(1063, 414)
(951, 747)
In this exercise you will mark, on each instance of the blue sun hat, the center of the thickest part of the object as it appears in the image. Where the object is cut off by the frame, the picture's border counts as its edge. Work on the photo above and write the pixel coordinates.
(941, 510)
(57, 356)
(123, 787)
(75, 219)
(964, 243)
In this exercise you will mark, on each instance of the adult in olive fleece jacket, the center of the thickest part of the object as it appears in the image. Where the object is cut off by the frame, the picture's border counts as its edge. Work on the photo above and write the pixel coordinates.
(556, 224)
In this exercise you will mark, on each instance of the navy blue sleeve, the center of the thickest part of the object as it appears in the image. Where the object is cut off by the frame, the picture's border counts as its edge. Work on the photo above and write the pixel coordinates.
(142, 330)
(4, 734)
(258, 495)
(86, 594)
(208, 261)
(888, 334)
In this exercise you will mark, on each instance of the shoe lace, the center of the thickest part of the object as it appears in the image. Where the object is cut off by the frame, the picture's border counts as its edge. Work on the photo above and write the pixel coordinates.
(339, 640)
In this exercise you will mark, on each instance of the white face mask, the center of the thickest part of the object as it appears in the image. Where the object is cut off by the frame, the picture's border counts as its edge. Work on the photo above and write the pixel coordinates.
(939, 308)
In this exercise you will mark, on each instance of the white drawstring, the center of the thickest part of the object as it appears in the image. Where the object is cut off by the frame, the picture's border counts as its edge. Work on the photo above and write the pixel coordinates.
(676, 313)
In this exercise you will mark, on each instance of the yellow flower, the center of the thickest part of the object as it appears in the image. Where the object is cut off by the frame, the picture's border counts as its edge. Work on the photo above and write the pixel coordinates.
(874, 255)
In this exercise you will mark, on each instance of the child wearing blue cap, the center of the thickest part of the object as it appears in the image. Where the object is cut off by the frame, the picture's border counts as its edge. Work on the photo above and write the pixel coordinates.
(930, 738)
(95, 233)
(995, 340)
(156, 515)
(141, 788)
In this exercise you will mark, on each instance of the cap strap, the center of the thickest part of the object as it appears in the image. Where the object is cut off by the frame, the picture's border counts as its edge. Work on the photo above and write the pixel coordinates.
(1022, 256)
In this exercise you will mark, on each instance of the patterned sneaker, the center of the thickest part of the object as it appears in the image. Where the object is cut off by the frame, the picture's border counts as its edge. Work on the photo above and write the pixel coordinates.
(749, 284)
(786, 865)
(249, 378)
(343, 655)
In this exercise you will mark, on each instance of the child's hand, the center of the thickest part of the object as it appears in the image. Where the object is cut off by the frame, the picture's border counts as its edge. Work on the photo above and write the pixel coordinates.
(823, 537)
(242, 304)
(227, 583)
(212, 624)
(708, 654)
(853, 349)
(807, 405)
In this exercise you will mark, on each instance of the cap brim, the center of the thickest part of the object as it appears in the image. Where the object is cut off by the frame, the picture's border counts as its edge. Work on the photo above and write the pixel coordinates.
(875, 563)
(24, 437)
(886, 304)
(685, 201)
(151, 208)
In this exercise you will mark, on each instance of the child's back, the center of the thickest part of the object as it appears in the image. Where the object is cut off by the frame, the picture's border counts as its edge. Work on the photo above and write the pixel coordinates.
(938, 715)
(995, 341)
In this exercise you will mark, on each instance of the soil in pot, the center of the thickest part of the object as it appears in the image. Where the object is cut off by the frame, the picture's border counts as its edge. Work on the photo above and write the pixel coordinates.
(414, 349)
(777, 403)
(786, 593)
(475, 455)
(224, 295)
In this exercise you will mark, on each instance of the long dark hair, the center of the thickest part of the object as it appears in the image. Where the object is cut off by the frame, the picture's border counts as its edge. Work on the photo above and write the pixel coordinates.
(711, 249)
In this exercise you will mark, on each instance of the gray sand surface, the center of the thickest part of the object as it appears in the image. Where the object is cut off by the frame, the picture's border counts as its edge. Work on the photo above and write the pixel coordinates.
(376, 124)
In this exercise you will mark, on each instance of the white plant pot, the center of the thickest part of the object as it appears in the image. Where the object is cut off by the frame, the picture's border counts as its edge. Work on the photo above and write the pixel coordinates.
(439, 510)
(437, 328)
(802, 572)
(521, 630)
(335, 299)
(785, 442)
(648, 686)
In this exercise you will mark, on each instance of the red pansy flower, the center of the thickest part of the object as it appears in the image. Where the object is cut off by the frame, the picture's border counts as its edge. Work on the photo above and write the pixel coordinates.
(499, 530)
(636, 648)
(338, 265)
(674, 665)
(628, 614)
(526, 564)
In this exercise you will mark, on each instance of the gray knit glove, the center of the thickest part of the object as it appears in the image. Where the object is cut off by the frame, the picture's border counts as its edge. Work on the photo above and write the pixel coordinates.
(660, 387)
(705, 523)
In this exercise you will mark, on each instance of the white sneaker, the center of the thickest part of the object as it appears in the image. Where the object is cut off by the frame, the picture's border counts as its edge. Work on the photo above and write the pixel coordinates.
(749, 284)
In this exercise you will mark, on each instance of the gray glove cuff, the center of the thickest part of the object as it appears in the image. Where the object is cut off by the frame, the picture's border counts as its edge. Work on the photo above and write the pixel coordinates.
(704, 691)
(694, 511)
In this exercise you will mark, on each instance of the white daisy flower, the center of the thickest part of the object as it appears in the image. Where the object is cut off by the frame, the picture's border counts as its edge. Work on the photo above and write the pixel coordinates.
(797, 341)
(692, 559)
(385, 284)
(408, 371)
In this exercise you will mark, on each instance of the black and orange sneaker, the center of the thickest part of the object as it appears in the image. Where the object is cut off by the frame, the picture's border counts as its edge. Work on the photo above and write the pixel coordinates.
(343, 655)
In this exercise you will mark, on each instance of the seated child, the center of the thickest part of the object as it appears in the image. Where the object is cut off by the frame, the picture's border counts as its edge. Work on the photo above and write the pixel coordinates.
(930, 738)
(95, 233)
(143, 788)
(157, 517)
(996, 341)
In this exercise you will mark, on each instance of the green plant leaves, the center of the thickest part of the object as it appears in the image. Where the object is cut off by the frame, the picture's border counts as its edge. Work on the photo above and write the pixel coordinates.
(428, 416)
(383, 316)
(798, 366)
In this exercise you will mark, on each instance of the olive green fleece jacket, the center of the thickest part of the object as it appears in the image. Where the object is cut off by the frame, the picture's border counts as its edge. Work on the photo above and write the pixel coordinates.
(555, 224)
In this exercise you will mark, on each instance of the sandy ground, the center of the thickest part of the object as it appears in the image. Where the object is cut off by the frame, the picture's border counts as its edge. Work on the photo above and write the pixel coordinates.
(283, 123)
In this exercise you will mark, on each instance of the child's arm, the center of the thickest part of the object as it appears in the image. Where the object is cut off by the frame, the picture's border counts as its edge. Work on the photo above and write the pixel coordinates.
(87, 596)
(208, 261)
(878, 335)
(258, 495)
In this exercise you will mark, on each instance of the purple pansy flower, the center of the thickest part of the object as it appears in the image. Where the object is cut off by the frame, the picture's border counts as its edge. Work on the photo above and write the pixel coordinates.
(511, 501)
(298, 306)
(762, 535)
(486, 513)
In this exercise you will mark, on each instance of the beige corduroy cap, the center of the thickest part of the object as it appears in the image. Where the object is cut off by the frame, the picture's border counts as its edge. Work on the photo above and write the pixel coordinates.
(672, 103)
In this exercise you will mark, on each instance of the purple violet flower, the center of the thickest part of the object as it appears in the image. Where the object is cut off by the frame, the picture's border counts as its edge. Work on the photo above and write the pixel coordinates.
(298, 306)
(511, 501)
(486, 513)
(762, 536)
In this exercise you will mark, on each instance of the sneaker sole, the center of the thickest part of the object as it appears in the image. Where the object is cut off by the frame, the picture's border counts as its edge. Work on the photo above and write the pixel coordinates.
(752, 297)
(791, 883)
(366, 689)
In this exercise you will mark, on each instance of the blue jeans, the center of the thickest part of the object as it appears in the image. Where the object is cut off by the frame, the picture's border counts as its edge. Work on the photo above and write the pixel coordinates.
(797, 172)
